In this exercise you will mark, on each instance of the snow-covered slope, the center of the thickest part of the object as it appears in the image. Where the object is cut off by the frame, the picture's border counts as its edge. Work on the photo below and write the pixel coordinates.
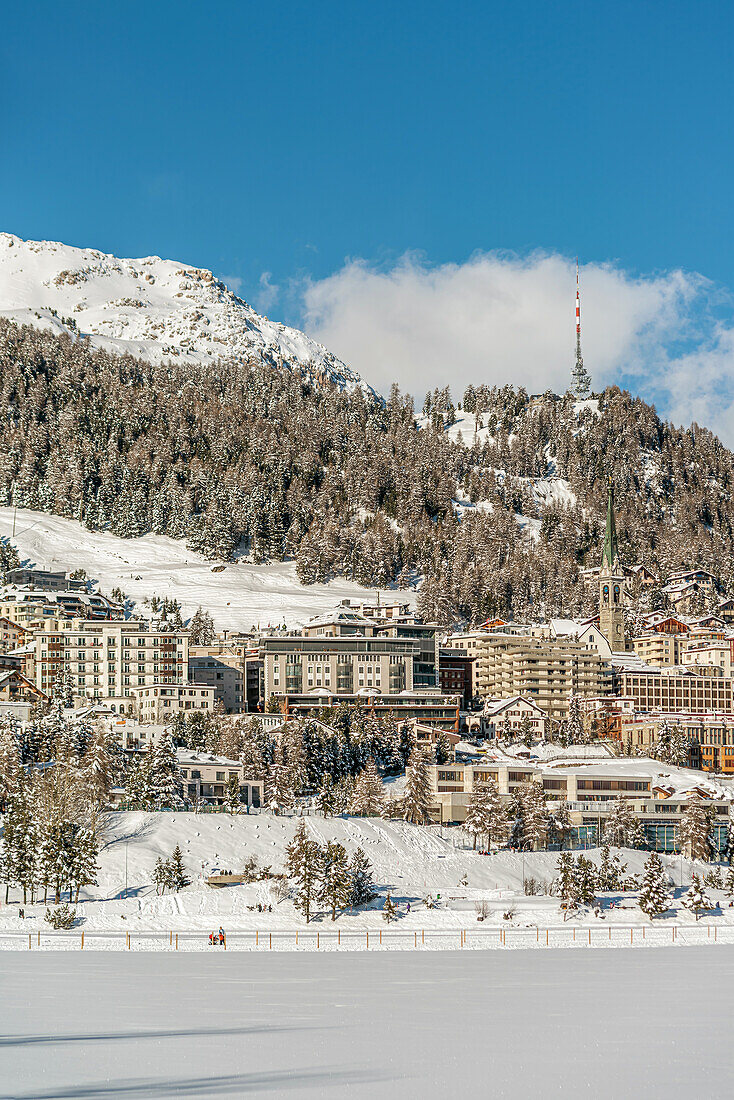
(237, 595)
(151, 308)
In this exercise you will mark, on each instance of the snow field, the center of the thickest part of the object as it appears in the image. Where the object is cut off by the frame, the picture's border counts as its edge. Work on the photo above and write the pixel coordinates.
(238, 596)
(606, 1024)
(410, 862)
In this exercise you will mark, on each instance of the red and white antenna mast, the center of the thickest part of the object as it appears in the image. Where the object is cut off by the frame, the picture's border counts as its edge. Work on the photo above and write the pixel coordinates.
(579, 376)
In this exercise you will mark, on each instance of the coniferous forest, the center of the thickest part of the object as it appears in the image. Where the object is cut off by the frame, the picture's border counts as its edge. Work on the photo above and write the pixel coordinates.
(248, 458)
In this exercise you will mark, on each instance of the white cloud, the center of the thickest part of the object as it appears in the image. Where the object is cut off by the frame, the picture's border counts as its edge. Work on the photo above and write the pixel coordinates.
(268, 293)
(234, 282)
(499, 318)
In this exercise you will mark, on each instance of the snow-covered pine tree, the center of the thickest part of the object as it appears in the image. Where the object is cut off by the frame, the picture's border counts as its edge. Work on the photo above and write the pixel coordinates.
(160, 875)
(443, 748)
(485, 815)
(369, 793)
(304, 867)
(729, 883)
(696, 899)
(100, 767)
(232, 797)
(201, 627)
(10, 756)
(280, 784)
(62, 694)
(138, 781)
(586, 881)
(83, 868)
(560, 823)
(575, 731)
(166, 780)
(335, 885)
(696, 829)
(654, 894)
(362, 881)
(389, 910)
(611, 870)
(526, 731)
(177, 877)
(535, 815)
(418, 796)
(623, 829)
(566, 881)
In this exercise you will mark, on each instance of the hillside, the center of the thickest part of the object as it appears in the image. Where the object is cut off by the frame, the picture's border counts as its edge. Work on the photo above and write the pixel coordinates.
(151, 308)
(247, 462)
(238, 595)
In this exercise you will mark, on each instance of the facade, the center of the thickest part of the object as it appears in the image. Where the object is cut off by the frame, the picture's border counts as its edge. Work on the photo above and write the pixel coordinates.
(660, 649)
(512, 713)
(544, 671)
(427, 707)
(456, 674)
(206, 776)
(221, 670)
(44, 579)
(676, 690)
(108, 661)
(159, 703)
(343, 666)
(589, 795)
(16, 688)
(30, 607)
(12, 635)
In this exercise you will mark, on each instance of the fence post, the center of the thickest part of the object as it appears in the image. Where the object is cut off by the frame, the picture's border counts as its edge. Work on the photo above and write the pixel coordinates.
(317, 940)
(296, 937)
(574, 935)
(257, 938)
(610, 932)
(177, 941)
(415, 939)
(423, 937)
(589, 937)
(170, 939)
(271, 940)
(29, 941)
(546, 937)
(39, 938)
(82, 947)
(643, 931)
(632, 932)
(368, 939)
(380, 937)
(339, 936)
(225, 941)
(537, 935)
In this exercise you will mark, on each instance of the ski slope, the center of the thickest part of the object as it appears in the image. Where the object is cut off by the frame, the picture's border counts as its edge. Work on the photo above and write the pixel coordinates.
(410, 862)
(238, 596)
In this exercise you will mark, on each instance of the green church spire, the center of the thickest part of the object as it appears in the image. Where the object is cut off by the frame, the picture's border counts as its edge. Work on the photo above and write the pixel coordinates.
(610, 553)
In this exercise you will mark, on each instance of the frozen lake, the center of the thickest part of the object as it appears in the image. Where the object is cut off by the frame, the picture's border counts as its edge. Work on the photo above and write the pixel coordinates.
(526, 1024)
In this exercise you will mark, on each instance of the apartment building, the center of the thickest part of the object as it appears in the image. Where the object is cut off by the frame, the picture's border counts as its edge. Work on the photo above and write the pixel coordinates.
(12, 634)
(456, 673)
(676, 690)
(512, 714)
(660, 649)
(427, 707)
(589, 793)
(30, 607)
(544, 671)
(159, 703)
(206, 777)
(341, 665)
(46, 579)
(107, 661)
(222, 670)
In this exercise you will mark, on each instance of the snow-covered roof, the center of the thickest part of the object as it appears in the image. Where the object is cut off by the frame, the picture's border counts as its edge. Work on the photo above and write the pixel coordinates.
(341, 616)
(186, 756)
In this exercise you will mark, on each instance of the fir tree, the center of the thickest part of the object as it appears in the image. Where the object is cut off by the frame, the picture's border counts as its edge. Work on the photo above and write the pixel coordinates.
(362, 882)
(335, 887)
(585, 881)
(232, 797)
(535, 815)
(166, 782)
(418, 796)
(623, 829)
(611, 870)
(696, 829)
(160, 875)
(484, 815)
(696, 899)
(566, 881)
(654, 894)
(176, 876)
(369, 793)
(389, 910)
(304, 866)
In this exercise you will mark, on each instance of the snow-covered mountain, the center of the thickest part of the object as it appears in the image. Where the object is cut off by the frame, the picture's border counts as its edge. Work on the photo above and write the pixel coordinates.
(151, 308)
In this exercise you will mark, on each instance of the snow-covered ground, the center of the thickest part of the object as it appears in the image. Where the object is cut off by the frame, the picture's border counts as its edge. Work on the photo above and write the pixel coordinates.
(603, 1024)
(239, 595)
(410, 862)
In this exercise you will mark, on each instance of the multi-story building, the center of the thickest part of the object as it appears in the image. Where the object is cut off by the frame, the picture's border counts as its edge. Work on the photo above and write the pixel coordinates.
(206, 777)
(107, 661)
(30, 607)
(676, 690)
(456, 673)
(222, 670)
(589, 793)
(511, 715)
(544, 671)
(12, 634)
(660, 649)
(427, 707)
(45, 579)
(342, 665)
(159, 703)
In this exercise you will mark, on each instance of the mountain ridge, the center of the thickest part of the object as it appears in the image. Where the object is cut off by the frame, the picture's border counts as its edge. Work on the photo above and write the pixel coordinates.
(151, 308)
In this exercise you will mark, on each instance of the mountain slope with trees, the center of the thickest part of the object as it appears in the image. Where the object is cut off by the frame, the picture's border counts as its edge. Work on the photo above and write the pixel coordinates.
(242, 457)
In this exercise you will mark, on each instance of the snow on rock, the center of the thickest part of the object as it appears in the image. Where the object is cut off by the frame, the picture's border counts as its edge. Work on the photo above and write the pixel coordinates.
(238, 595)
(151, 308)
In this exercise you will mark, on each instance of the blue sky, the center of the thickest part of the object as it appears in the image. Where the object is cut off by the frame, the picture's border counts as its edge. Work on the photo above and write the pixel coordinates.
(295, 139)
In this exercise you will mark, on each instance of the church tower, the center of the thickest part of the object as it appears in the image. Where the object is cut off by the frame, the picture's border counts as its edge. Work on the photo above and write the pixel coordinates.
(611, 584)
